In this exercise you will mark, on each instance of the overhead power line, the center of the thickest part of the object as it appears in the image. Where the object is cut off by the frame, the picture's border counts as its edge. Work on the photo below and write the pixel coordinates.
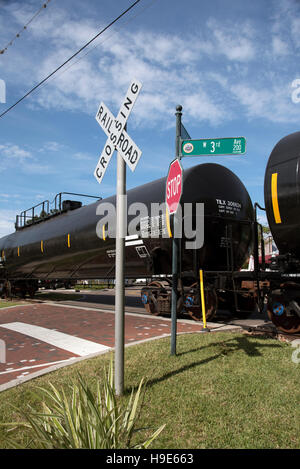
(92, 49)
(70, 58)
(25, 27)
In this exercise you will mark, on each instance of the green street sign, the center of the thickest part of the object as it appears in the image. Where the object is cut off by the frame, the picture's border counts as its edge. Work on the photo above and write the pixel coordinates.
(213, 146)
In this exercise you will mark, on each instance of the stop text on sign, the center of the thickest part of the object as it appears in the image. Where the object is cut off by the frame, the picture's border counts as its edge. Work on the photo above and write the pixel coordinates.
(174, 186)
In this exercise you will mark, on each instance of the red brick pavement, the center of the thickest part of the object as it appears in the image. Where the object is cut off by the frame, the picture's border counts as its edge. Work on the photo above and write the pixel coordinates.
(26, 355)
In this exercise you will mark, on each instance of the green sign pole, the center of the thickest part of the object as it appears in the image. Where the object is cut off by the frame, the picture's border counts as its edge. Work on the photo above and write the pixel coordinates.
(175, 247)
(213, 146)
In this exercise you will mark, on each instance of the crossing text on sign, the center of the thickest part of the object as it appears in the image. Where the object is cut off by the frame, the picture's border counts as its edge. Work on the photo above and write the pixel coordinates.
(117, 136)
(125, 145)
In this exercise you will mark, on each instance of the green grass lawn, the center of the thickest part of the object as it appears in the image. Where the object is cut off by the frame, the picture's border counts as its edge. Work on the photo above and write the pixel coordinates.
(224, 390)
(7, 303)
(102, 286)
(53, 296)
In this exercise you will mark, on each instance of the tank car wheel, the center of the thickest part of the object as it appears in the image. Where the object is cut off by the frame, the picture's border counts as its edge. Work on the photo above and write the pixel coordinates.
(23, 292)
(155, 294)
(148, 298)
(278, 315)
(211, 304)
(246, 304)
(31, 292)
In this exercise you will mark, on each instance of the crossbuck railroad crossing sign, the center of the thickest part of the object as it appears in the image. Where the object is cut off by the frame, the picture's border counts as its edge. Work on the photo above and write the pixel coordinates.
(118, 139)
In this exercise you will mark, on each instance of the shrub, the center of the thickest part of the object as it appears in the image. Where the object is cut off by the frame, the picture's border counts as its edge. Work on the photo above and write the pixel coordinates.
(83, 419)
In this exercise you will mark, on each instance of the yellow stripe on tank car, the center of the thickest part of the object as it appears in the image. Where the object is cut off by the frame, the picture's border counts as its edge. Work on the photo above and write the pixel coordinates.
(42, 246)
(18, 251)
(69, 242)
(103, 232)
(275, 198)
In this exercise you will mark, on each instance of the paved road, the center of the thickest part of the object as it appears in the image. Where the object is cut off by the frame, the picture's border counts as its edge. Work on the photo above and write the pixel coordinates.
(106, 299)
(40, 336)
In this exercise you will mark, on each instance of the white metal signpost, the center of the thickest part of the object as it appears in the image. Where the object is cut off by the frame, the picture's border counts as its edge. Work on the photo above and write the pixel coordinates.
(128, 153)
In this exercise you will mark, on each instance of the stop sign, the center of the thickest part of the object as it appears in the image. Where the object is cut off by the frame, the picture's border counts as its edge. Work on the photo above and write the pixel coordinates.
(174, 186)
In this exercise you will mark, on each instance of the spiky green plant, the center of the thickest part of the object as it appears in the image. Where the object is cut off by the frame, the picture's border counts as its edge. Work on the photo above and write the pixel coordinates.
(83, 419)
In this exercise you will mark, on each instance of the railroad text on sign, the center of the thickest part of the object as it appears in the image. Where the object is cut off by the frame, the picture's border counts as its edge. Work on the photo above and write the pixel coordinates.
(115, 127)
(124, 144)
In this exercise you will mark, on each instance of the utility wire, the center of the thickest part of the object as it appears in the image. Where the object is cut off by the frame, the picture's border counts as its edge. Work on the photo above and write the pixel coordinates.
(70, 58)
(103, 40)
(24, 27)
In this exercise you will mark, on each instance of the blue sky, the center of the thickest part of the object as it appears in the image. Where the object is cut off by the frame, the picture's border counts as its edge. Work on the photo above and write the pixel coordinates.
(229, 64)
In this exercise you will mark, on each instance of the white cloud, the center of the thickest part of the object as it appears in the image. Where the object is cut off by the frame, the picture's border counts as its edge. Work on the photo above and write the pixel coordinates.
(52, 146)
(279, 47)
(10, 151)
(262, 219)
(7, 197)
(286, 23)
(295, 30)
(166, 64)
(7, 222)
(12, 156)
(83, 156)
(39, 168)
(40, 197)
(201, 107)
(272, 102)
(172, 68)
(235, 43)
(79, 87)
